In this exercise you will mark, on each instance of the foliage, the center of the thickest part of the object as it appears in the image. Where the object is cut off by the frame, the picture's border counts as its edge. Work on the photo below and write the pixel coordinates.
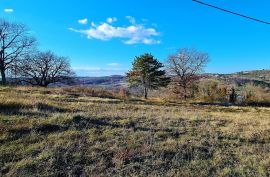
(212, 91)
(147, 72)
(124, 93)
(252, 94)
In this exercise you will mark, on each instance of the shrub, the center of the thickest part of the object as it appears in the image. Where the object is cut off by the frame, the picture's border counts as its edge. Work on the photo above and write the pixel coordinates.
(255, 94)
(212, 91)
(123, 93)
(233, 96)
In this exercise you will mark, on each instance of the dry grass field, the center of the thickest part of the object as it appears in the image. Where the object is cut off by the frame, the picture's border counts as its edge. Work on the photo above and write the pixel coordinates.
(55, 132)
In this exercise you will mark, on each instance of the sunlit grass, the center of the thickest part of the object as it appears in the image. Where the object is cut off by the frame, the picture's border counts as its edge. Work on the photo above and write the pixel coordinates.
(55, 132)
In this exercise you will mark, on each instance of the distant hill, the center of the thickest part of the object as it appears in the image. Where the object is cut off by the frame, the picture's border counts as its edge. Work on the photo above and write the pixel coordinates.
(263, 75)
(114, 81)
(256, 77)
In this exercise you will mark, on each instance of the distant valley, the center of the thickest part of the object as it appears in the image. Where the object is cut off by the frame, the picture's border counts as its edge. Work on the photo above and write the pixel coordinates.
(256, 77)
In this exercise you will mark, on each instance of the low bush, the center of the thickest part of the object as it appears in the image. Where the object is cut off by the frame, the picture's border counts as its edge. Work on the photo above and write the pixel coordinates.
(252, 94)
(212, 91)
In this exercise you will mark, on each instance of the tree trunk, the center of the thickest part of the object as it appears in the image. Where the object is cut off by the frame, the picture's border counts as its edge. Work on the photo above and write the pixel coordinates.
(185, 92)
(3, 75)
(2, 63)
(145, 93)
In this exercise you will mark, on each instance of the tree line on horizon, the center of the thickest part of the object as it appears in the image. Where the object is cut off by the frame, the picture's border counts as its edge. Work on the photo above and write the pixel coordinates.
(180, 74)
(19, 55)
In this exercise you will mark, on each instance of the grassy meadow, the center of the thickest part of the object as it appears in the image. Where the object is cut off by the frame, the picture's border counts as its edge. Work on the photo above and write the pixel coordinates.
(65, 132)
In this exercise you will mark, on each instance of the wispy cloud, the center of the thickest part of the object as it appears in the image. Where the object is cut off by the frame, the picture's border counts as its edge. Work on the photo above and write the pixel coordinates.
(111, 19)
(97, 71)
(83, 21)
(132, 34)
(113, 64)
(8, 10)
(132, 20)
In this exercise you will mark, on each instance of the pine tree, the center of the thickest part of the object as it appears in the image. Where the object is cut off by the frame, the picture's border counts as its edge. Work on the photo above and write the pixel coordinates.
(147, 73)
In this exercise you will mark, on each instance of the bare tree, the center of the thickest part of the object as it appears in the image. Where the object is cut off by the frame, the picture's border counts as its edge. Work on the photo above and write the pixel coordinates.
(44, 68)
(15, 42)
(184, 67)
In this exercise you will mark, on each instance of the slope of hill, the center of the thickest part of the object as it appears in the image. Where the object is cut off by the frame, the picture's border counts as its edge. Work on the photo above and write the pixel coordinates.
(114, 81)
(263, 75)
(106, 81)
(52, 132)
(258, 77)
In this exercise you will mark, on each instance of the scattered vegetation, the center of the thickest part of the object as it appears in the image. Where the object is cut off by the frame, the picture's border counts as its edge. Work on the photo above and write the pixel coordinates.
(81, 131)
(263, 75)
(55, 132)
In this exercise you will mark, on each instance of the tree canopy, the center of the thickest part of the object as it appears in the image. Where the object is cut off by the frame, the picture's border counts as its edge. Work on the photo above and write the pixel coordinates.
(147, 72)
(184, 67)
(44, 68)
(15, 42)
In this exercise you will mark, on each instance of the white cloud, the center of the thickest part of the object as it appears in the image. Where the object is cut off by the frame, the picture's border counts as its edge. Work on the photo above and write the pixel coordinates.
(132, 34)
(113, 64)
(111, 19)
(132, 20)
(93, 24)
(8, 10)
(83, 21)
(87, 68)
(97, 71)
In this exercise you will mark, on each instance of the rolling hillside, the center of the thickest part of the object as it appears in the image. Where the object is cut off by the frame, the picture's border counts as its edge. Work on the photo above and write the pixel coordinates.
(259, 77)
(54, 132)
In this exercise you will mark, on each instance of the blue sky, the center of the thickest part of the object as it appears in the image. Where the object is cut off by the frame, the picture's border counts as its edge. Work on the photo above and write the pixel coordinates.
(102, 37)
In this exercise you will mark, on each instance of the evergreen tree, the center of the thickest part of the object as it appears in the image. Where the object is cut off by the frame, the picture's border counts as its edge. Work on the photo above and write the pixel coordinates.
(147, 73)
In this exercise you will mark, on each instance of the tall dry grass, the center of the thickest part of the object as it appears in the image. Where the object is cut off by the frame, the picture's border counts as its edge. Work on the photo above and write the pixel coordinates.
(54, 132)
